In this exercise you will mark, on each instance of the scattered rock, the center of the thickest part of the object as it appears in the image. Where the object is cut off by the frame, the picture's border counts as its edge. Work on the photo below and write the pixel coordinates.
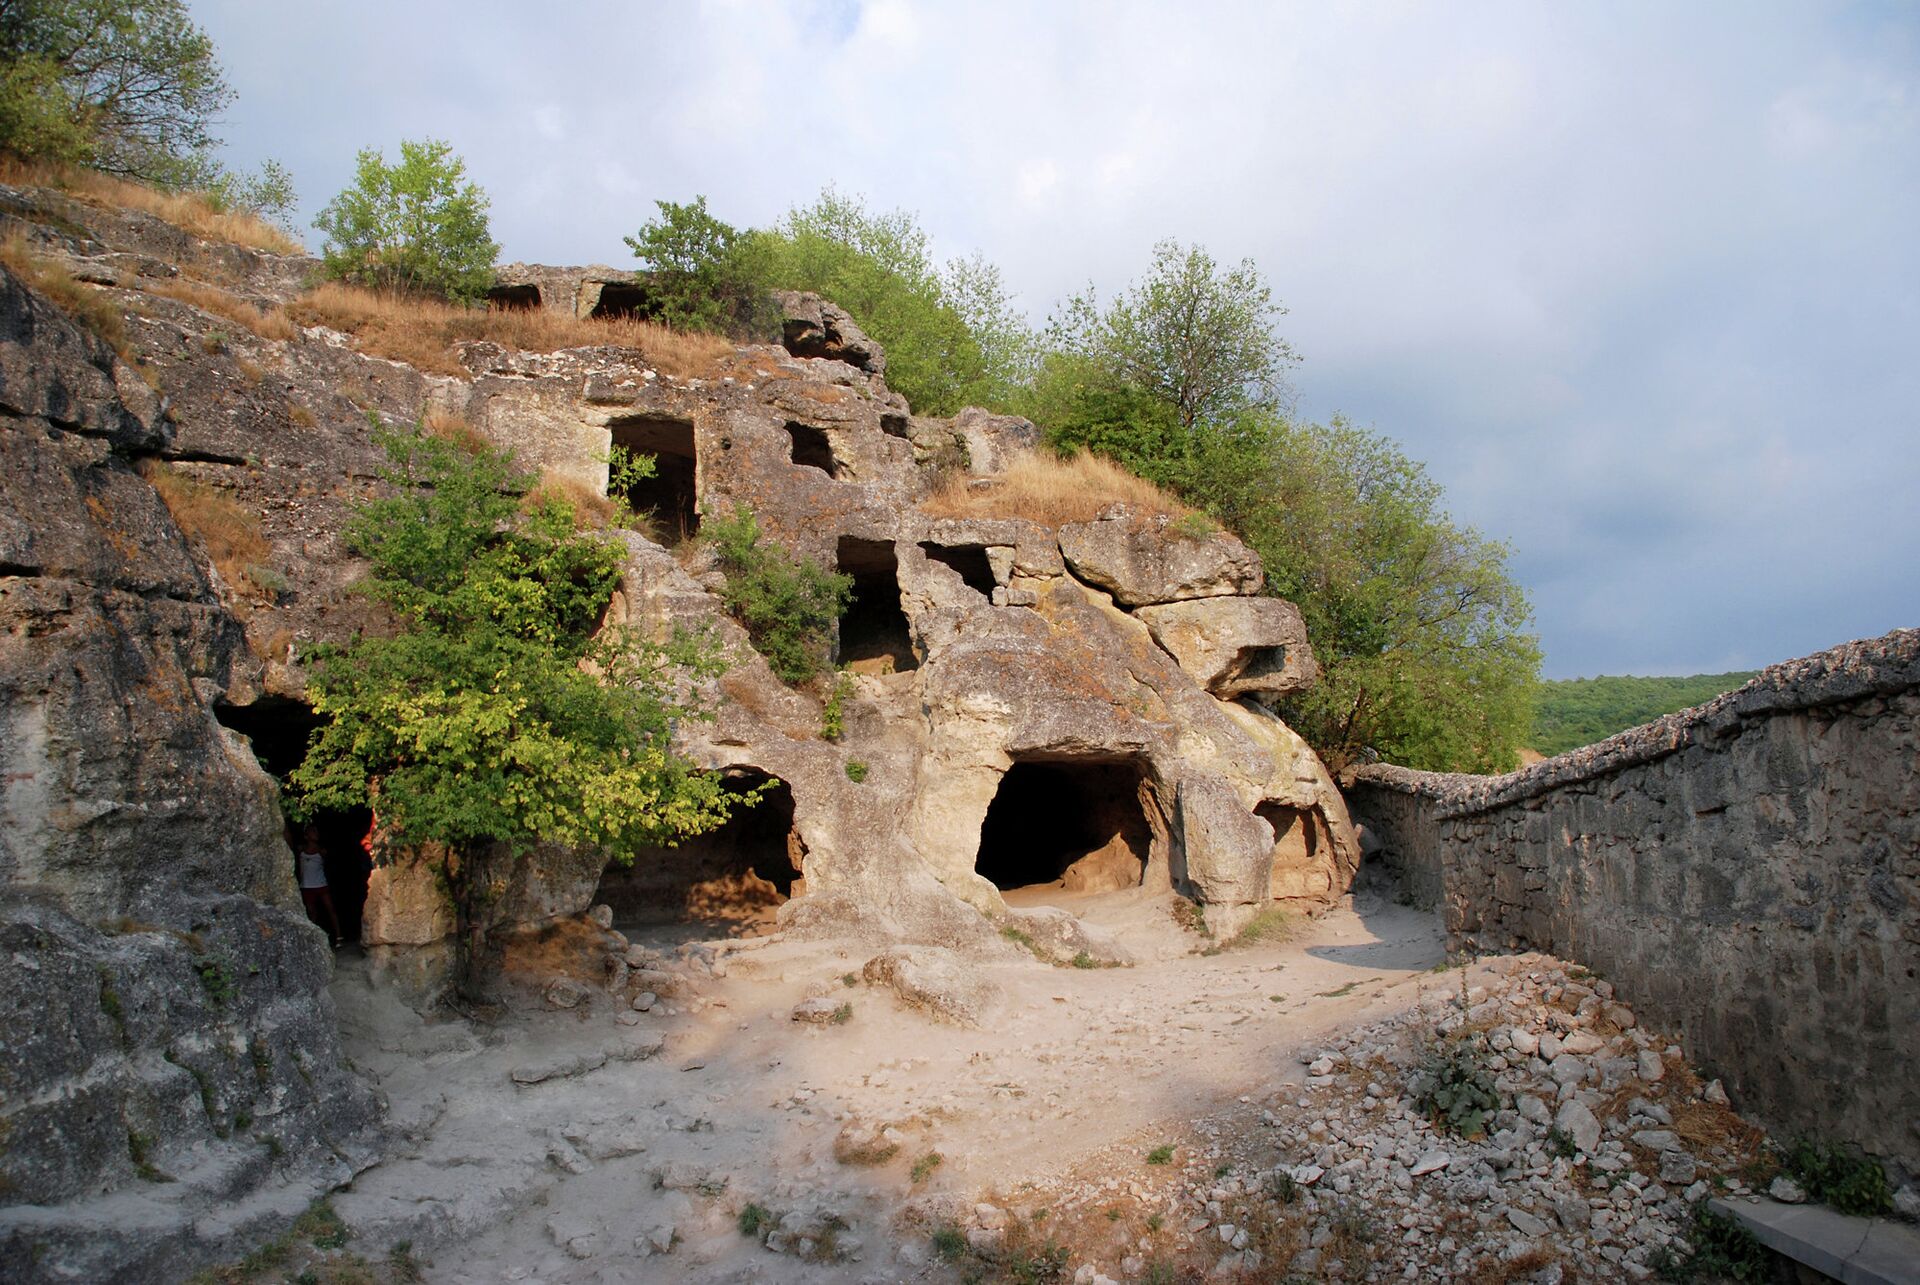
(935, 980)
(1787, 1191)
(564, 992)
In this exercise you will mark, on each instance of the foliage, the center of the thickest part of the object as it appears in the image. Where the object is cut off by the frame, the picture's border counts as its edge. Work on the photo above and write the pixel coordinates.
(1160, 1155)
(754, 1218)
(1582, 711)
(1851, 1183)
(788, 604)
(125, 86)
(1418, 629)
(951, 335)
(215, 978)
(1722, 1250)
(498, 717)
(1454, 1086)
(419, 225)
(704, 274)
(1193, 337)
(923, 1167)
(833, 712)
(856, 771)
(267, 194)
(625, 470)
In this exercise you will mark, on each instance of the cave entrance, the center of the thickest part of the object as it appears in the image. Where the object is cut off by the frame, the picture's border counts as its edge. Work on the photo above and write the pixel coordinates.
(732, 878)
(1300, 843)
(671, 497)
(622, 300)
(1071, 825)
(812, 448)
(514, 298)
(280, 730)
(874, 637)
(969, 560)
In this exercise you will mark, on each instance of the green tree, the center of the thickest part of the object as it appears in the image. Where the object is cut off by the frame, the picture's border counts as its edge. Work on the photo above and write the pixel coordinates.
(704, 274)
(418, 225)
(787, 603)
(126, 86)
(1420, 631)
(952, 339)
(1192, 335)
(267, 194)
(499, 716)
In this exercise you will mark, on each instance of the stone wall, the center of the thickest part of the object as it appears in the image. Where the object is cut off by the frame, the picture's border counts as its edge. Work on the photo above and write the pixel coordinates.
(1748, 870)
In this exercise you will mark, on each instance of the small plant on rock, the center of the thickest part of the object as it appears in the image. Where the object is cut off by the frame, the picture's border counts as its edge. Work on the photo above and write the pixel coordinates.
(1161, 1155)
(787, 603)
(856, 771)
(949, 1243)
(1720, 1249)
(1852, 1184)
(754, 1219)
(1454, 1086)
(923, 1167)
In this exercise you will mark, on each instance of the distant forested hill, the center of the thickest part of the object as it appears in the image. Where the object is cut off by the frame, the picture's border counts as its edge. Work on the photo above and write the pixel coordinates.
(1579, 711)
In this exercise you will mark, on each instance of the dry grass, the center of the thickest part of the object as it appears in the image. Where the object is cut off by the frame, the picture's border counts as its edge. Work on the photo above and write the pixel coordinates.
(268, 324)
(593, 508)
(83, 303)
(230, 534)
(423, 332)
(1042, 487)
(192, 212)
(452, 426)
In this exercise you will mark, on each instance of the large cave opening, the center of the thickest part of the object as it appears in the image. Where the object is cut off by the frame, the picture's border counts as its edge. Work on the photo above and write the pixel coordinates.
(874, 637)
(523, 298)
(620, 299)
(732, 878)
(671, 497)
(1077, 825)
(280, 730)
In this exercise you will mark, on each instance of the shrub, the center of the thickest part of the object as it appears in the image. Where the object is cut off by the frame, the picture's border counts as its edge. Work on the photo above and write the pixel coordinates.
(1455, 1088)
(1852, 1184)
(418, 225)
(704, 274)
(856, 771)
(1161, 1155)
(788, 604)
(755, 1218)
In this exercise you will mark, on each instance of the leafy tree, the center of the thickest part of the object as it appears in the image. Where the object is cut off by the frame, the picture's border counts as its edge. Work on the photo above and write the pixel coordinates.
(951, 336)
(1193, 336)
(126, 86)
(498, 717)
(788, 604)
(418, 225)
(705, 274)
(1420, 632)
(267, 194)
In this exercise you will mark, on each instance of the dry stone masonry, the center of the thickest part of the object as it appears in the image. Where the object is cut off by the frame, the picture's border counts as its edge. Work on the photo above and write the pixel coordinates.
(1748, 869)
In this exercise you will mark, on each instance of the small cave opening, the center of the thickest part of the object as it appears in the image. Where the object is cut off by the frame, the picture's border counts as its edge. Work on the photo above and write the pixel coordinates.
(812, 448)
(897, 426)
(969, 560)
(1074, 825)
(732, 878)
(671, 497)
(1298, 836)
(514, 298)
(874, 636)
(623, 300)
(280, 730)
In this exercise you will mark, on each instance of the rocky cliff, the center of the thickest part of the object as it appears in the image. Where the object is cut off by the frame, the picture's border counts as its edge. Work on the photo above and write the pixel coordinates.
(1086, 694)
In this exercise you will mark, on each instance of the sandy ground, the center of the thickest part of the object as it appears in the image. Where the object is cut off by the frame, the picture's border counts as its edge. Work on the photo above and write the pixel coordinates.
(636, 1166)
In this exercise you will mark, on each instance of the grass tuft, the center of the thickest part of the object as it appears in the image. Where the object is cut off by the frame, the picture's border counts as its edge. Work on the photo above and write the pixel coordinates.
(193, 212)
(1043, 487)
(424, 333)
(231, 534)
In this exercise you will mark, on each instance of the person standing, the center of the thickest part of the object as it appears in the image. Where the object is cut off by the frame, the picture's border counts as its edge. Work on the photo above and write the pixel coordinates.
(311, 865)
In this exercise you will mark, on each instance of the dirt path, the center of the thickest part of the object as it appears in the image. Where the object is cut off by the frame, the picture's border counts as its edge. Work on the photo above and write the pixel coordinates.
(637, 1149)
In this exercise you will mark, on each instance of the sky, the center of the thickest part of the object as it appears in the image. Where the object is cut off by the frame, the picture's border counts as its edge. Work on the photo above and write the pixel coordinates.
(1638, 282)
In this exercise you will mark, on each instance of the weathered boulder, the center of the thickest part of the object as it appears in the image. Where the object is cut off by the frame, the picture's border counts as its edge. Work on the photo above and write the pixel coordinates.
(1236, 646)
(993, 441)
(1065, 938)
(813, 327)
(1143, 559)
(935, 980)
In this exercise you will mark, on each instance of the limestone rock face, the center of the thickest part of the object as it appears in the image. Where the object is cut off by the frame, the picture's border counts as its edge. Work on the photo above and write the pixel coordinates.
(1236, 646)
(163, 993)
(813, 327)
(1142, 560)
(1026, 703)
